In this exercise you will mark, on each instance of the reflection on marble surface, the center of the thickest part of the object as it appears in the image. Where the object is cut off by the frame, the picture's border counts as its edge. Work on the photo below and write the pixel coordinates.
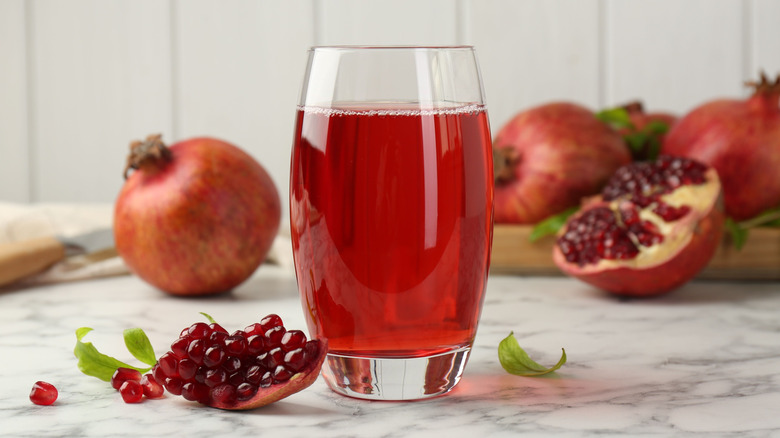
(703, 360)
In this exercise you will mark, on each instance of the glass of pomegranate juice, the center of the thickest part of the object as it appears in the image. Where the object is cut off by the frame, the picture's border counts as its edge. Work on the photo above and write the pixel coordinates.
(391, 209)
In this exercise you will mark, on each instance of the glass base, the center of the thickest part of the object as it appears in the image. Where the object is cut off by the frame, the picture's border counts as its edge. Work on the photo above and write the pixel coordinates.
(395, 378)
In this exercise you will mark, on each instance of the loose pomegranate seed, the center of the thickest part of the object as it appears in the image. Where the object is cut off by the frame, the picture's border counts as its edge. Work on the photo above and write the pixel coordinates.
(43, 393)
(131, 391)
(151, 387)
(121, 375)
(209, 366)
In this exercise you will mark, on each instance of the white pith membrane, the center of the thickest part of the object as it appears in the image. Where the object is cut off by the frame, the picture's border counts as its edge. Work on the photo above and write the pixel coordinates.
(700, 198)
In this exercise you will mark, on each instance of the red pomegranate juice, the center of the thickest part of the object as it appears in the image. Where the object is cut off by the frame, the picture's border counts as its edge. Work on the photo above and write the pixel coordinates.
(391, 216)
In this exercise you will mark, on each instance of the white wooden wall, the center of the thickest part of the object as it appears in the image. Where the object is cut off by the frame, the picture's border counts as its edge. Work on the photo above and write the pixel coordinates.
(79, 79)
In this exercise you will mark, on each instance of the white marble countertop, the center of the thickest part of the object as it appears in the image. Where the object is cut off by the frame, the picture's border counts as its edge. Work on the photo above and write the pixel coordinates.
(704, 360)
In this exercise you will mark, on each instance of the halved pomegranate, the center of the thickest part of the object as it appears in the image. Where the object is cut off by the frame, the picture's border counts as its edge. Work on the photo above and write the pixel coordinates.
(653, 228)
(247, 369)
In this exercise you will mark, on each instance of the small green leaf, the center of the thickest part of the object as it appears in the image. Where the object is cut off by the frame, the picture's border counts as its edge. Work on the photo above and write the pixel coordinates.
(656, 128)
(618, 118)
(516, 361)
(96, 364)
(139, 346)
(551, 225)
(738, 233)
(208, 317)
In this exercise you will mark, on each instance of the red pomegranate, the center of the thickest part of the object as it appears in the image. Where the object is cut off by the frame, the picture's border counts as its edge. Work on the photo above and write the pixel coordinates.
(547, 158)
(741, 140)
(194, 218)
(247, 369)
(653, 228)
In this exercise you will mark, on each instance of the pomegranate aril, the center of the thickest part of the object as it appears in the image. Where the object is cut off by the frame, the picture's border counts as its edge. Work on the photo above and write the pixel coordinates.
(158, 373)
(295, 360)
(311, 350)
(131, 391)
(232, 364)
(152, 388)
(216, 328)
(194, 391)
(179, 347)
(169, 365)
(173, 385)
(274, 337)
(245, 391)
(271, 359)
(224, 393)
(669, 213)
(282, 374)
(293, 339)
(254, 329)
(236, 379)
(214, 357)
(235, 345)
(200, 375)
(187, 369)
(122, 374)
(196, 350)
(217, 338)
(270, 322)
(43, 393)
(255, 345)
(215, 377)
(254, 374)
(199, 330)
(267, 380)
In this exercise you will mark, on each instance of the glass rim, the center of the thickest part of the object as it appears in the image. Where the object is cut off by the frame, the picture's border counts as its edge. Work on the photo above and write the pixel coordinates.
(391, 47)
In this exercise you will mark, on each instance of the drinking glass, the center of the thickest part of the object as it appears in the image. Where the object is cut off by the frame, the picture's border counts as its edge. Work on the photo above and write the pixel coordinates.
(391, 208)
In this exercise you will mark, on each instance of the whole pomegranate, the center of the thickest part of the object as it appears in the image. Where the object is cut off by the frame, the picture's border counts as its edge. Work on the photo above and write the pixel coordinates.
(194, 218)
(547, 158)
(741, 140)
(653, 228)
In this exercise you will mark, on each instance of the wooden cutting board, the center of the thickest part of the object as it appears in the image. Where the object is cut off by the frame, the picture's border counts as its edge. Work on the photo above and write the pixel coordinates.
(759, 259)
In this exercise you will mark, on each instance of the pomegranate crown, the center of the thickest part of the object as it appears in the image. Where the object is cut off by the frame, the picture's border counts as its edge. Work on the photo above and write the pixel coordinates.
(765, 85)
(151, 150)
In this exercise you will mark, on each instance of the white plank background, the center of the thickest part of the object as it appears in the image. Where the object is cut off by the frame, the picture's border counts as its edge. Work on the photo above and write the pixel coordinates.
(80, 79)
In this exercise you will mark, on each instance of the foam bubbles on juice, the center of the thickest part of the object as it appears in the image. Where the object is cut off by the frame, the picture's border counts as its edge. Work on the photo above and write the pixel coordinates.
(392, 112)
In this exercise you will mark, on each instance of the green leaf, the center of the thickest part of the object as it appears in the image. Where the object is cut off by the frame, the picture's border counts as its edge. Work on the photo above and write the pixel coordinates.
(139, 346)
(96, 364)
(208, 317)
(551, 225)
(618, 118)
(656, 128)
(516, 361)
(738, 233)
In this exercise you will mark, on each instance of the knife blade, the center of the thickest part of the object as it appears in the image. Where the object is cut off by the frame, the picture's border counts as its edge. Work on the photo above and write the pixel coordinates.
(21, 259)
